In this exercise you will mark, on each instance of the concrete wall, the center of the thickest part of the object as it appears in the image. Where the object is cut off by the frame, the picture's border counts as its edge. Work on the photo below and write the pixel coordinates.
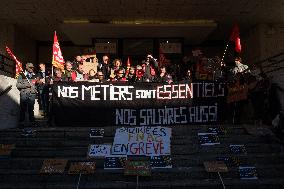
(9, 103)
(262, 41)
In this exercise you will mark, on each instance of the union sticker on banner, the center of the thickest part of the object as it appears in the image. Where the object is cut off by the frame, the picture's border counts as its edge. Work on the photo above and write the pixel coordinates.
(99, 150)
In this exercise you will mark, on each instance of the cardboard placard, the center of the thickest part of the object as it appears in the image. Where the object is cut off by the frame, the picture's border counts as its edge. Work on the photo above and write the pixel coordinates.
(161, 162)
(99, 150)
(238, 149)
(215, 166)
(28, 132)
(87, 66)
(115, 162)
(236, 94)
(6, 149)
(248, 173)
(208, 139)
(219, 130)
(137, 168)
(97, 133)
(52, 166)
(82, 167)
(229, 161)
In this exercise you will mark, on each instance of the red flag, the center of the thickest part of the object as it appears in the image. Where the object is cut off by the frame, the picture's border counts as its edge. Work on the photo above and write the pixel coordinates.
(235, 37)
(128, 65)
(163, 61)
(19, 65)
(57, 58)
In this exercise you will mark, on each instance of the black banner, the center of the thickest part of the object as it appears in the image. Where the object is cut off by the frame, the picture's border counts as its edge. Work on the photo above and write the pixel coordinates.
(99, 104)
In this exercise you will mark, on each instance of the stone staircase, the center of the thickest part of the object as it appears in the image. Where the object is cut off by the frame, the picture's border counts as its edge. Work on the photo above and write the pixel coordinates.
(21, 169)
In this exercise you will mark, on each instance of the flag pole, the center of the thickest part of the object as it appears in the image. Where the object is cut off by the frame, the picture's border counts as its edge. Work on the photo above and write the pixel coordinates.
(225, 51)
(17, 63)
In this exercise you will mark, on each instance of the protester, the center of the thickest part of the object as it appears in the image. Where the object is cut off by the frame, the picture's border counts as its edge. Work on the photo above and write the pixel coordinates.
(105, 67)
(278, 84)
(150, 68)
(100, 77)
(131, 77)
(117, 64)
(188, 77)
(163, 76)
(258, 93)
(58, 76)
(26, 85)
(68, 71)
(92, 76)
(120, 75)
(239, 67)
(78, 60)
(139, 73)
(43, 80)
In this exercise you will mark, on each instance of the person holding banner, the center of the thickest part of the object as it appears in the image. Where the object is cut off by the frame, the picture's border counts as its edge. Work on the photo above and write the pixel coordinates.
(68, 70)
(26, 85)
(163, 76)
(79, 74)
(58, 76)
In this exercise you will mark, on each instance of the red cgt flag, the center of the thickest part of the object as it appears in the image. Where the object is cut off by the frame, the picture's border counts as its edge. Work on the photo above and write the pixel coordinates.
(235, 37)
(57, 58)
(19, 65)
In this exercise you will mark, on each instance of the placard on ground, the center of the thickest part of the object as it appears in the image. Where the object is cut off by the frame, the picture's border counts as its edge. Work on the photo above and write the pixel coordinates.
(215, 166)
(6, 149)
(53, 166)
(82, 167)
(137, 168)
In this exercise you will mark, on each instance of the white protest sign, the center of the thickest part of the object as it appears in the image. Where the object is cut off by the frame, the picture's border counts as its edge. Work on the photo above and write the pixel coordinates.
(148, 141)
(99, 150)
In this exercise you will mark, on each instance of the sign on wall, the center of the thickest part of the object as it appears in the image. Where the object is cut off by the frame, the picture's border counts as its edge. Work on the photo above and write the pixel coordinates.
(108, 48)
(174, 48)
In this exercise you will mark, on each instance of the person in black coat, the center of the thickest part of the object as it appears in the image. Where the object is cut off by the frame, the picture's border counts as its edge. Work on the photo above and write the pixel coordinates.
(43, 80)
